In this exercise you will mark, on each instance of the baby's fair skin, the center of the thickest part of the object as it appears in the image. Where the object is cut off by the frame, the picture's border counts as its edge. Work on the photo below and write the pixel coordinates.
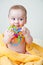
(17, 17)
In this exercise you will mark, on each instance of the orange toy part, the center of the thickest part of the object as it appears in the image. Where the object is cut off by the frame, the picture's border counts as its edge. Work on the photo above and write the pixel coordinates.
(15, 40)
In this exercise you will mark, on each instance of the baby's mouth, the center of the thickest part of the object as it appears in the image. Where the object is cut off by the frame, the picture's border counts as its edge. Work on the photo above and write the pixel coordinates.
(18, 26)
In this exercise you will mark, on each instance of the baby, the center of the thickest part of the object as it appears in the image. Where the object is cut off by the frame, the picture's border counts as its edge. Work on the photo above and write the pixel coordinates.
(16, 36)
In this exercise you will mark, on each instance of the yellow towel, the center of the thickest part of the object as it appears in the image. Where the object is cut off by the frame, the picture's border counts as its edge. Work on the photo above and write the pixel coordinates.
(9, 57)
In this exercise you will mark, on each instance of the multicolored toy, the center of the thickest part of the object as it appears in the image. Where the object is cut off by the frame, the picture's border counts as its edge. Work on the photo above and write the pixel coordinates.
(18, 36)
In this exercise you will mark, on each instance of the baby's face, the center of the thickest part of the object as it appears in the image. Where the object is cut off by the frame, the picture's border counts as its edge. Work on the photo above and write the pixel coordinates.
(17, 17)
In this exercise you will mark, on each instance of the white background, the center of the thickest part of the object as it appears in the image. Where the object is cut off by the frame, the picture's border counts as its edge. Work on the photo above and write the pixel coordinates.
(34, 17)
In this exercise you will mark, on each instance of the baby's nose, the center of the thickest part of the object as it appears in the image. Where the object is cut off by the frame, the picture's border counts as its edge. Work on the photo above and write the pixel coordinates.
(17, 21)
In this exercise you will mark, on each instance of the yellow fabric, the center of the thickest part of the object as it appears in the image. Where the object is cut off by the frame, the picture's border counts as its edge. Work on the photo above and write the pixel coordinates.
(9, 57)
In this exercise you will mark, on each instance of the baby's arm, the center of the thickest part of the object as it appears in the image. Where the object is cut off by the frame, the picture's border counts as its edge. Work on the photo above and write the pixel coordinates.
(7, 36)
(28, 37)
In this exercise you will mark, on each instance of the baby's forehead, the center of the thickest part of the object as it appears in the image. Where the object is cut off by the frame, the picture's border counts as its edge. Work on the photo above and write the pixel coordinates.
(17, 12)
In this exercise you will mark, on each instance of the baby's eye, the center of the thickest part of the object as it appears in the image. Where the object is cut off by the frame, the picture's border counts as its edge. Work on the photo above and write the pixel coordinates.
(21, 19)
(13, 18)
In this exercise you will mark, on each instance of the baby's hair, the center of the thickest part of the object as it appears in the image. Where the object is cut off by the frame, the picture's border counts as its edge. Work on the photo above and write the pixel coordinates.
(18, 7)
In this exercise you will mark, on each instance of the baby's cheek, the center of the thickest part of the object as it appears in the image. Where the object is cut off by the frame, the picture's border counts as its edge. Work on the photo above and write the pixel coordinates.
(11, 22)
(21, 24)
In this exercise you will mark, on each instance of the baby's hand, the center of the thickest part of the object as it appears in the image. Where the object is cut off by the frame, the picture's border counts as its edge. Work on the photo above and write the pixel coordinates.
(25, 32)
(8, 35)
(27, 35)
